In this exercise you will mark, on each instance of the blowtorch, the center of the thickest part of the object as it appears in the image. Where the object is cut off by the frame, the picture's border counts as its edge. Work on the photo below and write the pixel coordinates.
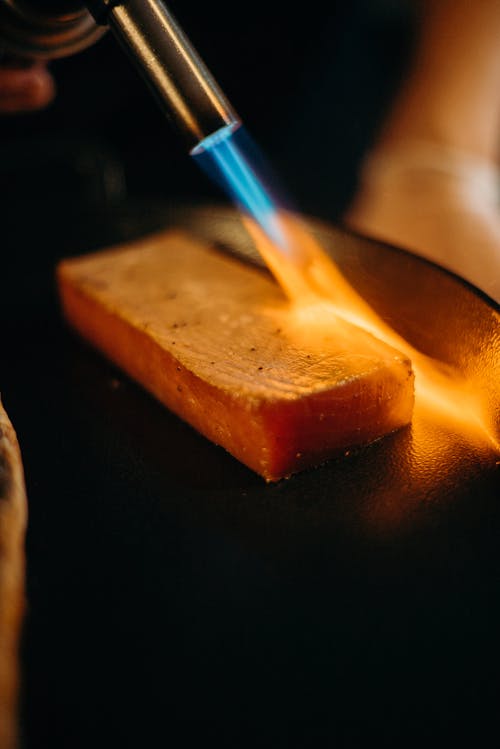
(184, 88)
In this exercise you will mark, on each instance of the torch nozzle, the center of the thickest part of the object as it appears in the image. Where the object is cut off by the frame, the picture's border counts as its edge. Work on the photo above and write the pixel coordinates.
(185, 89)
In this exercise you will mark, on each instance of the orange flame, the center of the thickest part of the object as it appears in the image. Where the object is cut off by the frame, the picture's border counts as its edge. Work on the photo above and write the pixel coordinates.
(319, 292)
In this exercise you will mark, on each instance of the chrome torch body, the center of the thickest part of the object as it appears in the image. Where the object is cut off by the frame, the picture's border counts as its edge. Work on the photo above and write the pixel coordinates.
(173, 70)
(147, 31)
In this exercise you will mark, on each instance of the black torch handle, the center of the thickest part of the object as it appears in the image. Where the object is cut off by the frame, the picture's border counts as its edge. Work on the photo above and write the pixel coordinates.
(180, 81)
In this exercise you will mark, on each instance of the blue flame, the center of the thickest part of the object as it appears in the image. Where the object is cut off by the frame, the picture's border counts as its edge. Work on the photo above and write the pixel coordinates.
(231, 160)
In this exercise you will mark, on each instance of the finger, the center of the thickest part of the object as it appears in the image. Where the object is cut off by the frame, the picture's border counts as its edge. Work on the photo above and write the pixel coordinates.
(25, 89)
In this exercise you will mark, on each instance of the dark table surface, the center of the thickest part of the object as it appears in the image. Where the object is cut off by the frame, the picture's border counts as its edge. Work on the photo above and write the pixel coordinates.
(174, 598)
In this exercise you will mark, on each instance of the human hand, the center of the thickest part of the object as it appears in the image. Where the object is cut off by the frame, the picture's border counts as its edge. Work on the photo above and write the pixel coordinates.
(25, 87)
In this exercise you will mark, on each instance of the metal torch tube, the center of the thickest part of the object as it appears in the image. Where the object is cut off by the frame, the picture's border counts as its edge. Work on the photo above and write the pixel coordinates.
(185, 89)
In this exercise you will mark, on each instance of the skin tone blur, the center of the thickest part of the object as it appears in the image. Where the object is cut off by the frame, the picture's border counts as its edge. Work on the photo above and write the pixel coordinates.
(431, 181)
(25, 87)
